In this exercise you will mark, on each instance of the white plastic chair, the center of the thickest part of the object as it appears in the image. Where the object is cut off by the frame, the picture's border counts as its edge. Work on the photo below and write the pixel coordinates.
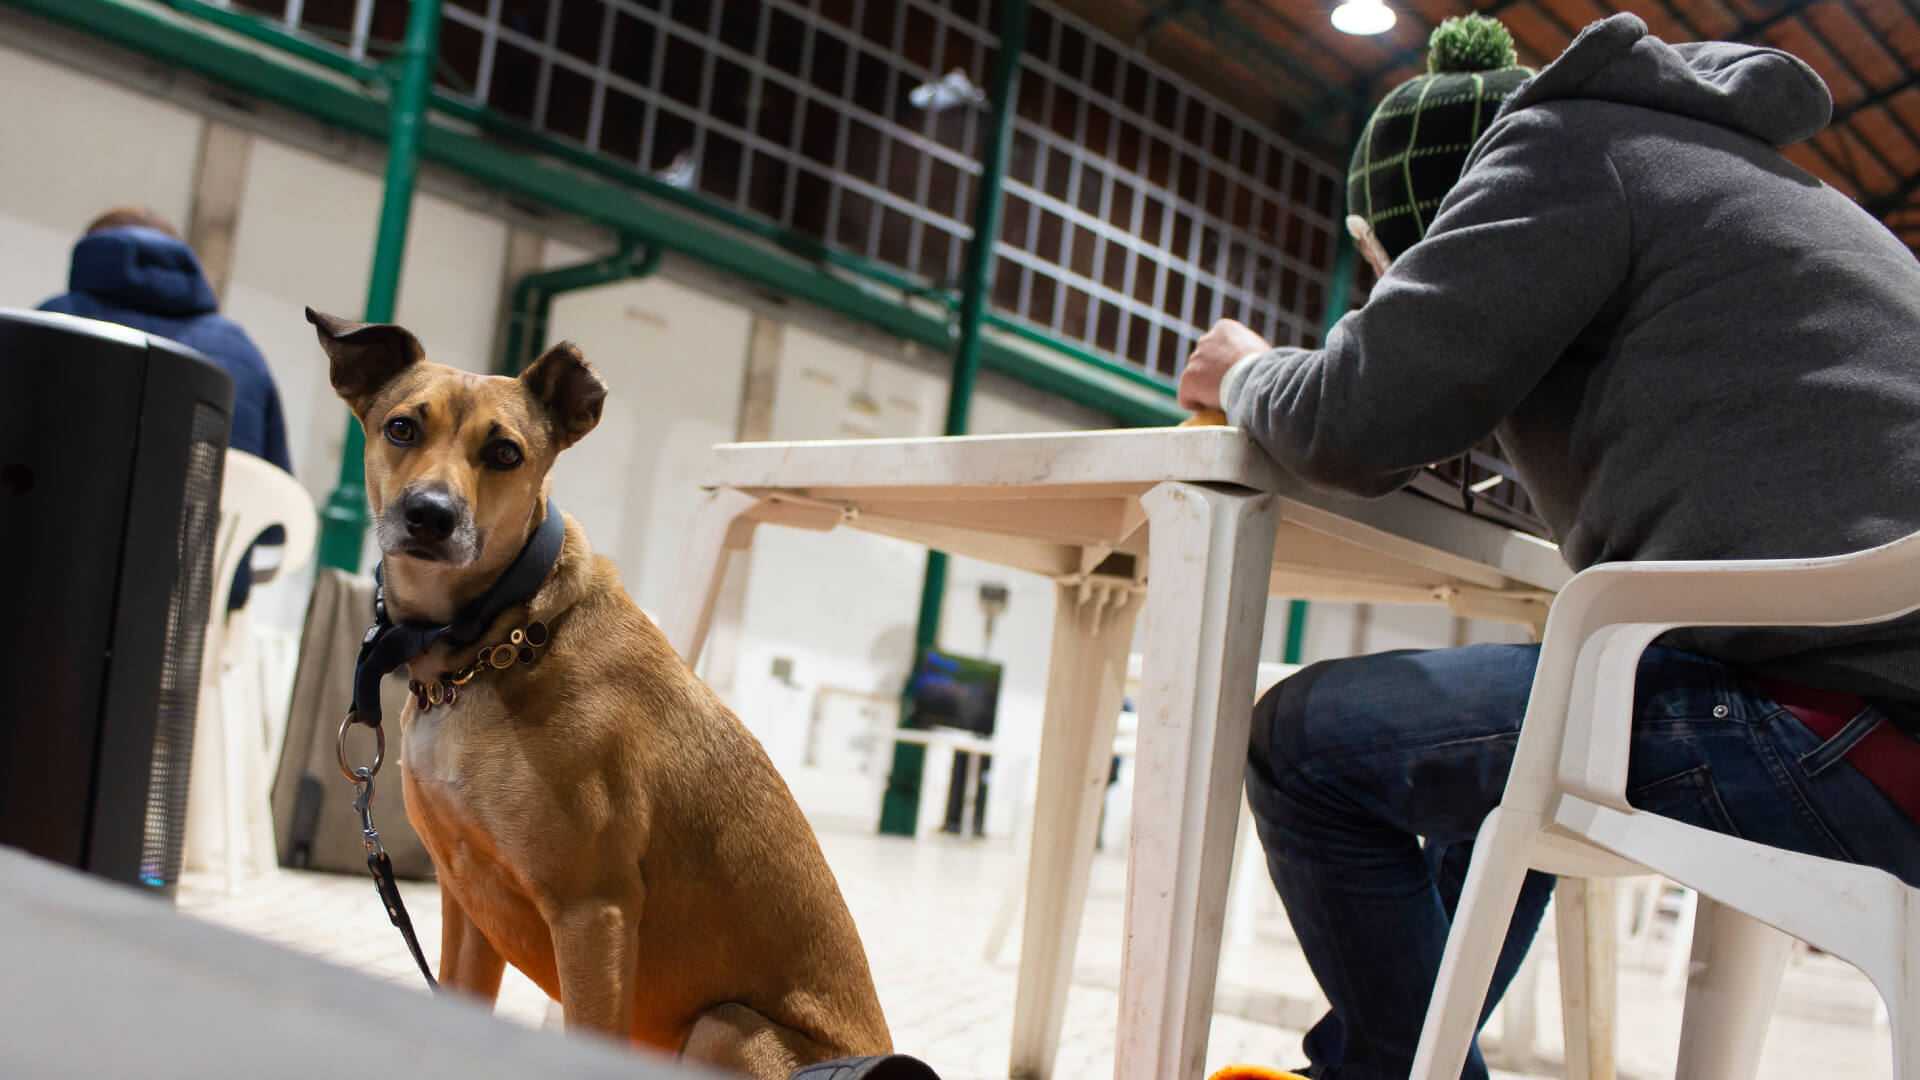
(227, 796)
(1565, 811)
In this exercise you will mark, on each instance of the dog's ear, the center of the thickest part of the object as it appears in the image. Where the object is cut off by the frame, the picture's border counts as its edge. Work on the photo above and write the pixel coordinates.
(363, 357)
(568, 388)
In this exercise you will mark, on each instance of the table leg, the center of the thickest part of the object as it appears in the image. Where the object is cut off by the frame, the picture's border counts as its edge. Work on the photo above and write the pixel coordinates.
(720, 528)
(1584, 924)
(1244, 881)
(1207, 572)
(970, 796)
(1092, 632)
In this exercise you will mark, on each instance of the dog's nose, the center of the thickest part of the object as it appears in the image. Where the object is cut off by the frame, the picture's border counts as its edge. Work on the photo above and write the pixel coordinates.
(431, 515)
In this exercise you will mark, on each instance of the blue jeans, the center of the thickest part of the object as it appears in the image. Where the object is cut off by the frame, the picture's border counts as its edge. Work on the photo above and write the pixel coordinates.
(1353, 763)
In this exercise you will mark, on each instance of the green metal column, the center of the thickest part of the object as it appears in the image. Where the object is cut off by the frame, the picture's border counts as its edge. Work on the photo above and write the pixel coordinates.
(986, 216)
(1337, 288)
(899, 807)
(343, 522)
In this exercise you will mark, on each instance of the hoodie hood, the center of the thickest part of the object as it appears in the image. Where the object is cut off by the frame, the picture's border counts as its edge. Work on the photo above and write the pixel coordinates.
(1768, 94)
(142, 269)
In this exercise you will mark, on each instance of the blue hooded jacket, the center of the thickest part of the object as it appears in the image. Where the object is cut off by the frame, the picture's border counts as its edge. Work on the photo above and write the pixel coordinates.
(150, 281)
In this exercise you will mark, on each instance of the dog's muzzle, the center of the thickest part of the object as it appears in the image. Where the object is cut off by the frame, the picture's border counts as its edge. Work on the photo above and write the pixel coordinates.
(431, 524)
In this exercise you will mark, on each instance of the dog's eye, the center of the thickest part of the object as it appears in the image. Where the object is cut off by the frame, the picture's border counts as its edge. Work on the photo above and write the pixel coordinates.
(503, 455)
(400, 431)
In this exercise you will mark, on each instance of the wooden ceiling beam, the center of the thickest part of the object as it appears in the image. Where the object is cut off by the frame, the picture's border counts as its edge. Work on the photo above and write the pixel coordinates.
(1898, 199)
(1906, 129)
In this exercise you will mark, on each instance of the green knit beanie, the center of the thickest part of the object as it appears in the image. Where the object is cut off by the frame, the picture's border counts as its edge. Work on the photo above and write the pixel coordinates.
(1414, 146)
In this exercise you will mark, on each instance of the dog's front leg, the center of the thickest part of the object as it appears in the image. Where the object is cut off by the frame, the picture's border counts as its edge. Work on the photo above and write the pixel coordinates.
(595, 939)
(468, 961)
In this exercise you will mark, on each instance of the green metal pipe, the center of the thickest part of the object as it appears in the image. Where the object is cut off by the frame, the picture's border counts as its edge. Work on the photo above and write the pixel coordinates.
(259, 29)
(532, 297)
(343, 522)
(1129, 372)
(1338, 289)
(1339, 285)
(586, 278)
(986, 214)
(899, 807)
(408, 111)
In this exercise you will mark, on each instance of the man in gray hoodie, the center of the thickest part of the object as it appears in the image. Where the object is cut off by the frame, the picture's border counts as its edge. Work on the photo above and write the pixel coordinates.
(1690, 349)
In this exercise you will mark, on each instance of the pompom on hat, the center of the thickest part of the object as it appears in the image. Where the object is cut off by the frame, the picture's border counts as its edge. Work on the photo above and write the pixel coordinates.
(1416, 142)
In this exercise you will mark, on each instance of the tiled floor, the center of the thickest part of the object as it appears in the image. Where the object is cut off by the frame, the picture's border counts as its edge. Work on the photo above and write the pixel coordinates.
(925, 909)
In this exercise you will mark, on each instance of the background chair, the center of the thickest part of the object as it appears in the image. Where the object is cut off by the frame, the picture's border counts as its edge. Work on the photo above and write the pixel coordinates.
(228, 817)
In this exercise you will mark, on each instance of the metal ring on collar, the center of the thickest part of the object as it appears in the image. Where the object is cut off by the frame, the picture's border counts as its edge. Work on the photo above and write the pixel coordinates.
(379, 749)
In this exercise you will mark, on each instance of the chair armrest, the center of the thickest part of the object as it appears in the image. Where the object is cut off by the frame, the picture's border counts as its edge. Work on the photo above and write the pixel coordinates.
(1836, 591)
(1580, 712)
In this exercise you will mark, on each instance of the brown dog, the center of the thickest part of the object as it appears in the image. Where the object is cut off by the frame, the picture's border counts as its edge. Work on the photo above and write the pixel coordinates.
(596, 818)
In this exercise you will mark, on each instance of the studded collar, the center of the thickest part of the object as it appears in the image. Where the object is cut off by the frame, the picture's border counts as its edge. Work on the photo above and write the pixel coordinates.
(389, 644)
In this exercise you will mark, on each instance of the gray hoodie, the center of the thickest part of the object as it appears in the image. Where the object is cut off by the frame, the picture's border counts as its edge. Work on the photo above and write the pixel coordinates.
(1689, 347)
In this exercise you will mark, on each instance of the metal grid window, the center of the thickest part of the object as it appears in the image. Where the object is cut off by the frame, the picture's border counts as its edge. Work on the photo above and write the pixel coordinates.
(1138, 209)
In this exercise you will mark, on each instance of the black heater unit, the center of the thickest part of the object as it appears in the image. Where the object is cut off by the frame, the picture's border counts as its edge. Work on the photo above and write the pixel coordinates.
(112, 446)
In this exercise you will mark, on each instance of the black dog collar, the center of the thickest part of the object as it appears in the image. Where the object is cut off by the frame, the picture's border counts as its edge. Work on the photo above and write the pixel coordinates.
(389, 644)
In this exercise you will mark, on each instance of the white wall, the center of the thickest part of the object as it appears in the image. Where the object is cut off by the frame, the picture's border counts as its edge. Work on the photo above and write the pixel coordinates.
(674, 358)
(75, 146)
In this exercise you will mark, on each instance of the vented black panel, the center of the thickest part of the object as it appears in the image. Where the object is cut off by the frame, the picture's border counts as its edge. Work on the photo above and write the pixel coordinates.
(187, 613)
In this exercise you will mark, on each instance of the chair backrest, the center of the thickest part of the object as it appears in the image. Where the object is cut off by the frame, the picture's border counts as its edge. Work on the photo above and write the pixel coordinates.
(256, 495)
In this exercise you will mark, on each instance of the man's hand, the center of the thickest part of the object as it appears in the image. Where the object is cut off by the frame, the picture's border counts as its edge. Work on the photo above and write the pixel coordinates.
(1222, 346)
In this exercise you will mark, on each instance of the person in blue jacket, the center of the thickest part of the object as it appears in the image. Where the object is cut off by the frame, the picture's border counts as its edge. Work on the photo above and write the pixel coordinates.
(132, 268)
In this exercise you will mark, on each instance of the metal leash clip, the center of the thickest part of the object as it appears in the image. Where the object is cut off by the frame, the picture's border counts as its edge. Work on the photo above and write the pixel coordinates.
(363, 803)
(365, 772)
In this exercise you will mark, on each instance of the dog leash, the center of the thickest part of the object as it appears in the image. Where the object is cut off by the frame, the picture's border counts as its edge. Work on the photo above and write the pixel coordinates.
(389, 645)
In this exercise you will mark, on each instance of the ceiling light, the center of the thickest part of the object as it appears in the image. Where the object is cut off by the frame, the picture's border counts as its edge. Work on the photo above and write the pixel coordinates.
(1364, 17)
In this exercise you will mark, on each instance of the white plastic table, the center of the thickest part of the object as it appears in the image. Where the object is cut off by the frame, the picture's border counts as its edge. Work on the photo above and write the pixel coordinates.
(103, 981)
(1199, 527)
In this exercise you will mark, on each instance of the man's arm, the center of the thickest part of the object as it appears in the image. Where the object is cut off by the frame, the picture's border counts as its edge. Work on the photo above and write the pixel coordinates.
(1524, 252)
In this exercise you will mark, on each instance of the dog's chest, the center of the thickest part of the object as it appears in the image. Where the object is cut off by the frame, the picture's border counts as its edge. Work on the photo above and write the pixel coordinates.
(435, 747)
(461, 771)
(444, 758)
